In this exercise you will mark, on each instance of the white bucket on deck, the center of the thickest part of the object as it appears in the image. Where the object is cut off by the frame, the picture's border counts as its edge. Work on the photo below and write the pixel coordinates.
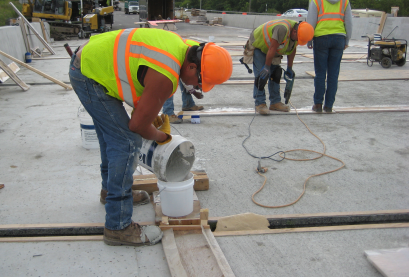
(177, 198)
(88, 134)
(170, 162)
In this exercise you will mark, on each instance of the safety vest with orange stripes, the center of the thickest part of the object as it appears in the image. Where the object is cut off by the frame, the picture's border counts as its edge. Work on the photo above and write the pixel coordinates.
(330, 17)
(263, 36)
(113, 59)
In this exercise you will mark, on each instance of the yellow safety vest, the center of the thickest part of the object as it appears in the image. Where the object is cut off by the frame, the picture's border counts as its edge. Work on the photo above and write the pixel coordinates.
(263, 36)
(330, 19)
(113, 59)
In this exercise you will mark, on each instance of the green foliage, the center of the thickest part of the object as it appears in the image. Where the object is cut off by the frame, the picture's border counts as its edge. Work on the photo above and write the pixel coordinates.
(7, 11)
(281, 6)
(382, 5)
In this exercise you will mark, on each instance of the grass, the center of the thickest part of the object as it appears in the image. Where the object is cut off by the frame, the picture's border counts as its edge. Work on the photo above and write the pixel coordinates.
(7, 11)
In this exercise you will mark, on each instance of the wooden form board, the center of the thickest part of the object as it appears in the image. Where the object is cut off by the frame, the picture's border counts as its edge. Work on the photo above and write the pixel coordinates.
(374, 75)
(149, 182)
(345, 56)
(390, 262)
(358, 109)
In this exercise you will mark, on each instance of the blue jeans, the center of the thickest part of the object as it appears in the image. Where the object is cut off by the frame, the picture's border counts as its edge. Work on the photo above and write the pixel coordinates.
(327, 54)
(259, 59)
(119, 147)
(187, 101)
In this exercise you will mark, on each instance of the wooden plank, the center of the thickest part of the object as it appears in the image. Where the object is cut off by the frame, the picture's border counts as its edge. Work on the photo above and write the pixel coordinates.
(37, 71)
(313, 229)
(350, 56)
(381, 24)
(14, 76)
(149, 182)
(219, 255)
(51, 238)
(196, 254)
(172, 255)
(374, 75)
(390, 262)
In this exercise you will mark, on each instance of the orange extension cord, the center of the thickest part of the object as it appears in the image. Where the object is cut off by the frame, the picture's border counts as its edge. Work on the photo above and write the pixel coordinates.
(304, 185)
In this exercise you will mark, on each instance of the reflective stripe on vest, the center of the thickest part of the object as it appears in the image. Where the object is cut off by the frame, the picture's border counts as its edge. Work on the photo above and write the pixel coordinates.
(267, 36)
(323, 15)
(124, 49)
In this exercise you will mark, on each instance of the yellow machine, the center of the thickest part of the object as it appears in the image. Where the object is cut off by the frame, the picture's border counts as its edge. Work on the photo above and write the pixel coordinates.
(99, 18)
(64, 16)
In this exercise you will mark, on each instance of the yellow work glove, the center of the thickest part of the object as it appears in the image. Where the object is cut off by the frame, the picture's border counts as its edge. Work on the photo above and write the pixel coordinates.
(162, 124)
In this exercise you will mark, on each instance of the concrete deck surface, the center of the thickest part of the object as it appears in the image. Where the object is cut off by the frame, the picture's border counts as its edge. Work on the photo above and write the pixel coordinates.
(50, 178)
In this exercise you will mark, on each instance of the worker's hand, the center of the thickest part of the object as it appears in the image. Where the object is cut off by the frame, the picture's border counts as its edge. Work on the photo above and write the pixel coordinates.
(197, 94)
(262, 78)
(263, 74)
(289, 72)
(346, 46)
(162, 124)
(310, 44)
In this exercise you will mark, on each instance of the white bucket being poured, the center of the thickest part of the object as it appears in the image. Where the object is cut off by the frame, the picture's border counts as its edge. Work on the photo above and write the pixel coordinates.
(177, 198)
(88, 134)
(170, 162)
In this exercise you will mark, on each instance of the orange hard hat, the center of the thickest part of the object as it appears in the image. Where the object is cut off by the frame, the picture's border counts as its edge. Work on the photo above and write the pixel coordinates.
(305, 33)
(216, 66)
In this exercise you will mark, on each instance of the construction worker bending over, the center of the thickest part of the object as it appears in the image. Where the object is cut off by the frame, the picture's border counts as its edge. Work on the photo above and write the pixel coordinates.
(332, 20)
(269, 43)
(188, 103)
(142, 67)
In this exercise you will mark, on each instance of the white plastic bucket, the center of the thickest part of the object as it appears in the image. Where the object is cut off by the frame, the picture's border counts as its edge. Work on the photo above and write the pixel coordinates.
(170, 162)
(88, 134)
(177, 198)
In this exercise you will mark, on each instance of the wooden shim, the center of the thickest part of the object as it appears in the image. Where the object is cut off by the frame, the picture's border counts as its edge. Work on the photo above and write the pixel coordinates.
(172, 255)
(219, 255)
(196, 255)
(366, 75)
(149, 182)
(51, 238)
(14, 76)
(67, 87)
(4, 76)
(313, 229)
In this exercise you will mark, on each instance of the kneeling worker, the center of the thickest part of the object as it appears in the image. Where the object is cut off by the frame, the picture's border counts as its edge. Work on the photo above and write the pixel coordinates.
(141, 67)
(269, 42)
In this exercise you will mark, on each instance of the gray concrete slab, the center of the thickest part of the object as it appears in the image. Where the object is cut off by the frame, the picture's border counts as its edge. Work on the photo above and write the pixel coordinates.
(50, 178)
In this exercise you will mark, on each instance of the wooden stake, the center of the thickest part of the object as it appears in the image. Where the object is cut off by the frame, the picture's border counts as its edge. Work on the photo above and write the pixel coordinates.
(37, 71)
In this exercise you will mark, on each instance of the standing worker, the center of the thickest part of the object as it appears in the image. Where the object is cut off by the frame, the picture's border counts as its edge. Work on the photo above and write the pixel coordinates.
(332, 20)
(142, 67)
(269, 42)
(188, 103)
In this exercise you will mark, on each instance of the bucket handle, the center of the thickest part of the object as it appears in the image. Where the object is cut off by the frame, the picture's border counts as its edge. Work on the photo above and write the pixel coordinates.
(162, 190)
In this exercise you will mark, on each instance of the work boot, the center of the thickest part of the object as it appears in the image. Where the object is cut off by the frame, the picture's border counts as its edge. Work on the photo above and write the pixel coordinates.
(134, 235)
(193, 108)
(262, 109)
(279, 106)
(173, 119)
(140, 197)
(327, 109)
(317, 108)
